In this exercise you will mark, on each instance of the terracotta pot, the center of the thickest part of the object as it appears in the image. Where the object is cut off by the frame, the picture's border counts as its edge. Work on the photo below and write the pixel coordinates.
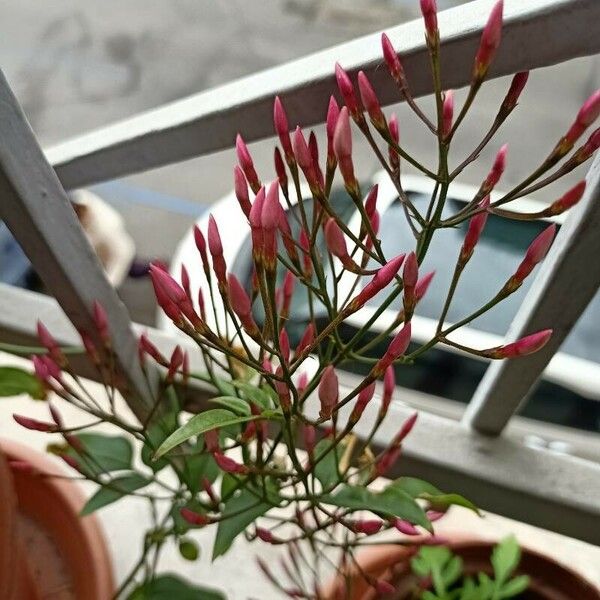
(51, 549)
(549, 579)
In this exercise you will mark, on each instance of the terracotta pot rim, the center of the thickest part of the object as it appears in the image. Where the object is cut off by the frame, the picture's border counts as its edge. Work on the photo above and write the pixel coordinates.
(69, 494)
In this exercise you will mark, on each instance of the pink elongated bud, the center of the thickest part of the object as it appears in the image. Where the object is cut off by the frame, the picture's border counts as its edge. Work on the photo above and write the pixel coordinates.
(342, 146)
(211, 440)
(229, 465)
(387, 460)
(48, 341)
(241, 304)
(101, 321)
(282, 128)
(270, 217)
(429, 12)
(588, 148)
(313, 147)
(364, 397)
(287, 237)
(185, 281)
(526, 345)
(34, 424)
(380, 280)
(514, 91)
(395, 135)
(423, 285)
(53, 369)
(371, 201)
(535, 254)
(210, 490)
(347, 91)
(308, 337)
(284, 345)
(328, 392)
(496, 171)
(447, 113)
(333, 112)
(406, 428)
(255, 220)
(283, 391)
(193, 517)
(410, 276)
(336, 242)
(40, 369)
(305, 160)
(392, 60)
(306, 258)
(371, 102)
(145, 346)
(375, 220)
(368, 526)
(309, 437)
(201, 245)
(266, 536)
(490, 40)
(476, 226)
(397, 348)
(175, 363)
(389, 384)
(586, 116)
(246, 163)
(240, 187)
(383, 587)
(567, 200)
(406, 527)
(302, 383)
(215, 247)
(165, 287)
(280, 170)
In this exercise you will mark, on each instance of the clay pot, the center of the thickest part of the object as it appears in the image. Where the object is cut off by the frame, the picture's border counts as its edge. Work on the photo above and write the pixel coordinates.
(46, 548)
(549, 579)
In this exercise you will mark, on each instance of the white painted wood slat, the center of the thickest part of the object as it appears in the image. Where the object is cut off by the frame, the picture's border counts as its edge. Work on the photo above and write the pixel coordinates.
(36, 209)
(567, 281)
(536, 33)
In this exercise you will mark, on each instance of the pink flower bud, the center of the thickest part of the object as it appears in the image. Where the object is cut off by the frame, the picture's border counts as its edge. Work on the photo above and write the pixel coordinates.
(147, 347)
(389, 385)
(514, 92)
(211, 440)
(328, 392)
(364, 397)
(48, 341)
(302, 383)
(406, 428)
(342, 146)
(282, 128)
(336, 243)
(423, 285)
(309, 436)
(410, 276)
(589, 147)
(371, 102)
(395, 135)
(383, 587)
(497, 169)
(387, 460)
(527, 345)
(241, 190)
(586, 116)
(435, 515)
(185, 281)
(371, 201)
(201, 245)
(347, 90)
(567, 200)
(265, 535)
(490, 40)
(267, 365)
(53, 369)
(34, 424)
(535, 253)
(40, 369)
(333, 112)
(397, 348)
(392, 60)
(245, 161)
(305, 160)
(165, 286)
(308, 337)
(368, 526)
(406, 527)
(447, 113)
(380, 280)
(216, 251)
(429, 12)
(280, 170)
(193, 517)
(175, 363)
(284, 345)
(283, 391)
(313, 147)
(240, 303)
(255, 220)
(270, 217)
(229, 465)
(476, 225)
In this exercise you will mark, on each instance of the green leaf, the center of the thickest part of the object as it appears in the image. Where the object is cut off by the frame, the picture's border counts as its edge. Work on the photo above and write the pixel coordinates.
(505, 558)
(243, 508)
(113, 491)
(15, 381)
(452, 571)
(414, 487)
(102, 453)
(189, 549)
(443, 501)
(228, 484)
(326, 470)
(204, 421)
(236, 405)
(390, 502)
(162, 426)
(171, 587)
(196, 467)
(254, 394)
(514, 586)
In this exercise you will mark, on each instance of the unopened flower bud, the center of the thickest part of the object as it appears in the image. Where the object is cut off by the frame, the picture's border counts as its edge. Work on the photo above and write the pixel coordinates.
(245, 161)
(101, 321)
(229, 465)
(586, 116)
(333, 112)
(175, 363)
(347, 90)
(34, 424)
(423, 285)
(145, 346)
(496, 171)
(527, 345)
(211, 440)
(328, 392)
(342, 146)
(241, 305)
(368, 526)
(410, 276)
(406, 428)
(476, 226)
(380, 280)
(514, 92)
(201, 246)
(308, 337)
(284, 345)
(48, 341)
(447, 113)
(215, 246)
(567, 200)
(364, 397)
(392, 60)
(389, 384)
(282, 128)
(490, 40)
(241, 190)
(429, 12)
(535, 254)
(371, 102)
(406, 527)
(397, 348)
(193, 517)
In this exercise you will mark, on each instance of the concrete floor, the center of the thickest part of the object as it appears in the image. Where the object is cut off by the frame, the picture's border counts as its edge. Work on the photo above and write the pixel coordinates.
(76, 65)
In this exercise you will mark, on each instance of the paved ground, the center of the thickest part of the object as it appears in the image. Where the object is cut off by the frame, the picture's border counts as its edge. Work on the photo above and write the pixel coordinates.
(75, 67)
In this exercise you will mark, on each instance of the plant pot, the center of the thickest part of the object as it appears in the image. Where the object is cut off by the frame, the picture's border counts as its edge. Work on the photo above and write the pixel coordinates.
(46, 548)
(549, 579)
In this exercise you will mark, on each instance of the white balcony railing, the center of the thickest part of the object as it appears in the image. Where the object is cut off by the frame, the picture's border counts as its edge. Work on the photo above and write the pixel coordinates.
(555, 491)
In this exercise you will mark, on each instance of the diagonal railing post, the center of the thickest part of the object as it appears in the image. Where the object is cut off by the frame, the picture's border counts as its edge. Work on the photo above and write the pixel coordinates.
(568, 280)
(36, 209)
